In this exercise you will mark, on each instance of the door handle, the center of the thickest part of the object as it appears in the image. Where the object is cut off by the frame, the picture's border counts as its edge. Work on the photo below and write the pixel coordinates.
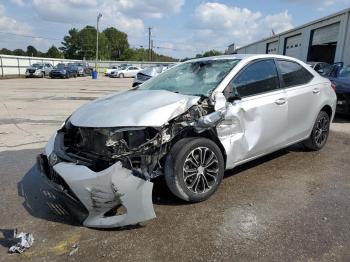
(281, 101)
(316, 90)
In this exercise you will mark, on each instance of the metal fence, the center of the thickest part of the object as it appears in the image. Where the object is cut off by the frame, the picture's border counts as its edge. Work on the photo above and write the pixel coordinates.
(15, 66)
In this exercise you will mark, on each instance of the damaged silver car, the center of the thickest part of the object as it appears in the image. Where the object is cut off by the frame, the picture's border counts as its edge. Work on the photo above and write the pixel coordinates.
(189, 124)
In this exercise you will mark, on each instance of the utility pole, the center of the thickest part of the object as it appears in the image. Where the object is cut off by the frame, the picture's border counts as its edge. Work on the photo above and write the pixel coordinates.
(149, 43)
(143, 58)
(152, 50)
(98, 20)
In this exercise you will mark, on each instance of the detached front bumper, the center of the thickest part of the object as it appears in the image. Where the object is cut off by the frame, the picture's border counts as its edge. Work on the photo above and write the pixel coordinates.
(95, 198)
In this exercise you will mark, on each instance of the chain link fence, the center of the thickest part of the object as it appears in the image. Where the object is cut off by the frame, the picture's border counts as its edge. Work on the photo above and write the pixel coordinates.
(15, 66)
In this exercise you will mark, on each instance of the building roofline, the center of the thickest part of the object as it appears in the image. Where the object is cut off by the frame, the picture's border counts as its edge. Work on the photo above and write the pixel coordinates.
(344, 11)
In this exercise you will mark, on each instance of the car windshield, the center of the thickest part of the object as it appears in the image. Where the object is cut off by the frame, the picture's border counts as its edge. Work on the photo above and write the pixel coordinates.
(192, 78)
(60, 66)
(39, 66)
(345, 72)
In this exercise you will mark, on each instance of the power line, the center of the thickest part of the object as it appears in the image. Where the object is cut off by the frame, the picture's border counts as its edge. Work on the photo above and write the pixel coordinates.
(30, 36)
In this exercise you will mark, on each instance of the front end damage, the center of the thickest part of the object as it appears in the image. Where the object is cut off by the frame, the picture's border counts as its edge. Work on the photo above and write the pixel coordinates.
(105, 173)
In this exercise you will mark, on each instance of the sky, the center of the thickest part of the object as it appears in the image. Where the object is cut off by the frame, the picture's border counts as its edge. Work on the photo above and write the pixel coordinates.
(180, 28)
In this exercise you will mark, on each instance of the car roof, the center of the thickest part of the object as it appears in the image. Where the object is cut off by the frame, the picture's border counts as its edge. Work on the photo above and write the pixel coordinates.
(243, 57)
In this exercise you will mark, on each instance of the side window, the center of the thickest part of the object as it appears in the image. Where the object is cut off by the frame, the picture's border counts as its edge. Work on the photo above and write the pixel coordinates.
(257, 78)
(293, 74)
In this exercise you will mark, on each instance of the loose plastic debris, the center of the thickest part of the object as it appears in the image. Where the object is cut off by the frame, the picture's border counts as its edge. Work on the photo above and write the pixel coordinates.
(75, 248)
(22, 242)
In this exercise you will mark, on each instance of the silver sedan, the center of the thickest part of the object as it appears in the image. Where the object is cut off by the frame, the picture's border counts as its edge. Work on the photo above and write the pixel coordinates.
(189, 124)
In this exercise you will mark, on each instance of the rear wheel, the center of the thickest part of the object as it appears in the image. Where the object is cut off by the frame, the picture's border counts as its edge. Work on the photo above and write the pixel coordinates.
(320, 132)
(194, 169)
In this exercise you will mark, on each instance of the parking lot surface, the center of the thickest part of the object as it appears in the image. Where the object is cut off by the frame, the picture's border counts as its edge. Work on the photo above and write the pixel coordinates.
(291, 205)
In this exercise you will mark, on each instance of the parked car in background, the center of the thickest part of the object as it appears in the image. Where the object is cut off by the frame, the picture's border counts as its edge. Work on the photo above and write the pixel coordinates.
(73, 69)
(340, 78)
(129, 71)
(63, 71)
(115, 68)
(318, 66)
(110, 69)
(188, 124)
(148, 73)
(39, 70)
(84, 69)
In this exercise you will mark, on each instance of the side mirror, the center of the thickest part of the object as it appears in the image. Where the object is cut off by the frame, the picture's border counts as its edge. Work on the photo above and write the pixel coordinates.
(233, 97)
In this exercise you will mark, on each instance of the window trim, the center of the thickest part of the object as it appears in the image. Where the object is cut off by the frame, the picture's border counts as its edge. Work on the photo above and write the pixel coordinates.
(282, 84)
(251, 63)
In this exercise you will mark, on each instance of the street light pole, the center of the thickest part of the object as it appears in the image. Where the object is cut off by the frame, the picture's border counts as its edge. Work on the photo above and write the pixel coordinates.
(98, 20)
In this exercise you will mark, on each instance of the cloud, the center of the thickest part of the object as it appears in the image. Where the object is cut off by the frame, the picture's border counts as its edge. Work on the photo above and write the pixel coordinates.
(149, 8)
(319, 3)
(18, 2)
(218, 25)
(126, 15)
(10, 25)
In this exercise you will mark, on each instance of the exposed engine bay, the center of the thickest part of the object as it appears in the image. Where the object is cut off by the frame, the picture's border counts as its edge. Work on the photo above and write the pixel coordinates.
(140, 149)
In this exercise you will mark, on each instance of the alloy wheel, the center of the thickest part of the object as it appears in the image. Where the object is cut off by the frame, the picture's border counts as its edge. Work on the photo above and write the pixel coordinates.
(200, 170)
(321, 130)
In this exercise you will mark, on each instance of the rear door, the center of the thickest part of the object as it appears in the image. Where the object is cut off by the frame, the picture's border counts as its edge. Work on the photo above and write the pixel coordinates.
(263, 108)
(302, 97)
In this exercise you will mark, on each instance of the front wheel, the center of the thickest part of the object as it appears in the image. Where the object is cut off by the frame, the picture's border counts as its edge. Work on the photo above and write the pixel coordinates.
(121, 75)
(320, 132)
(194, 169)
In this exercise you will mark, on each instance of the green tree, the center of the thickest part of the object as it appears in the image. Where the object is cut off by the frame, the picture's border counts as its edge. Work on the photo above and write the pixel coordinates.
(31, 51)
(117, 42)
(19, 52)
(53, 52)
(87, 44)
(212, 53)
(5, 51)
(70, 44)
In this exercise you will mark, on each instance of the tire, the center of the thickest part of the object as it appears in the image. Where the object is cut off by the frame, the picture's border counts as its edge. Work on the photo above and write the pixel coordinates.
(121, 75)
(319, 134)
(42, 75)
(200, 184)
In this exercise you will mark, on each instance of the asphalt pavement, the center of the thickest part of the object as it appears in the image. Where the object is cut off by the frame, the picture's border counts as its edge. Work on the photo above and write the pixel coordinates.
(292, 205)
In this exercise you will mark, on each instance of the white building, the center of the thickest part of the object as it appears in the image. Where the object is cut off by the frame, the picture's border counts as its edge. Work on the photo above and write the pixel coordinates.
(324, 40)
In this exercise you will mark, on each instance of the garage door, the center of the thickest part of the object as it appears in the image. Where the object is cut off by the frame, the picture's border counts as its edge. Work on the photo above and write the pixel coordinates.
(324, 44)
(325, 35)
(292, 46)
(272, 48)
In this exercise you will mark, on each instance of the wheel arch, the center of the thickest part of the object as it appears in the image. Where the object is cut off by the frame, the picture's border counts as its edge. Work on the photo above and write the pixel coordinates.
(328, 110)
(209, 134)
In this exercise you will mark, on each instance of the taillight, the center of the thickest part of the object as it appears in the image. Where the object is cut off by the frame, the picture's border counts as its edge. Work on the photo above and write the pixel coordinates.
(333, 86)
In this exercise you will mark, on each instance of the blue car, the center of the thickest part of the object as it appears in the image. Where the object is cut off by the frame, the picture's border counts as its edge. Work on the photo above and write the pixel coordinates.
(340, 78)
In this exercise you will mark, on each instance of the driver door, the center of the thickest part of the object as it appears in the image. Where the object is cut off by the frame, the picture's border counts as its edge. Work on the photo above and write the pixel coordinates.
(260, 116)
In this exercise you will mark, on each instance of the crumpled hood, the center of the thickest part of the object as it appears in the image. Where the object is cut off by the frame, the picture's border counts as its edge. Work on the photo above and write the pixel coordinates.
(133, 108)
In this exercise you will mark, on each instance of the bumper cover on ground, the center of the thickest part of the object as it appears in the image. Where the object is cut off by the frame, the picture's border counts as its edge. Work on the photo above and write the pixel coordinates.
(93, 197)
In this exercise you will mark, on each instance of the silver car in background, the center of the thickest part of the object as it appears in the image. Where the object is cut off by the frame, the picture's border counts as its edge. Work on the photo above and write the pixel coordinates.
(147, 73)
(38, 70)
(188, 124)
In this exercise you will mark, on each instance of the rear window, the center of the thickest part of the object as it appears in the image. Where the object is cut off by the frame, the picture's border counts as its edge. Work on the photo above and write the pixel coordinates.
(293, 74)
